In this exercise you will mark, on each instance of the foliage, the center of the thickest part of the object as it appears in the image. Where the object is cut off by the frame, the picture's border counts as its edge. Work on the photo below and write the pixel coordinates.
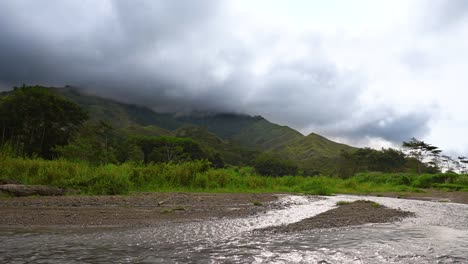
(342, 203)
(420, 151)
(199, 176)
(271, 166)
(244, 136)
(168, 149)
(106, 179)
(92, 144)
(458, 181)
(35, 121)
(367, 159)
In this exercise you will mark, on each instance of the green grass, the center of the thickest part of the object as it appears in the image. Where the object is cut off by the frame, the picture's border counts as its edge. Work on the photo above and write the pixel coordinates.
(198, 176)
(339, 203)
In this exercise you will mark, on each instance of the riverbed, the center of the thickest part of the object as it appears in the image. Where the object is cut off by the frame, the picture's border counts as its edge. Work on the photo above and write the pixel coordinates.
(438, 233)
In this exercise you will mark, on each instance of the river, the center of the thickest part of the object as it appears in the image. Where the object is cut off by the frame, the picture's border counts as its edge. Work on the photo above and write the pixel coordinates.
(438, 234)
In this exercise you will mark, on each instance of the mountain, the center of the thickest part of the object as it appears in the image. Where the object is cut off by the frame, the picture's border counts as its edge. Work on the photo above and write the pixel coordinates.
(119, 115)
(235, 136)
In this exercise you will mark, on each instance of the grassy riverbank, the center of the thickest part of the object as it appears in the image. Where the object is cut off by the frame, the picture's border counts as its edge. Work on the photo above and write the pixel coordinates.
(198, 176)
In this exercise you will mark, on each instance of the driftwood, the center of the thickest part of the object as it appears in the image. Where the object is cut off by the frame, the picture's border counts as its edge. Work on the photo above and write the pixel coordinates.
(28, 190)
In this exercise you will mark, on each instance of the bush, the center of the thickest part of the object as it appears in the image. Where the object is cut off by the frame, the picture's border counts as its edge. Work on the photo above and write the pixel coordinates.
(317, 186)
(109, 180)
(184, 174)
(197, 175)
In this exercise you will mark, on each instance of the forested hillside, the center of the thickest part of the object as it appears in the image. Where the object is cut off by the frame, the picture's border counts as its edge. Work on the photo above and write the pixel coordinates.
(231, 134)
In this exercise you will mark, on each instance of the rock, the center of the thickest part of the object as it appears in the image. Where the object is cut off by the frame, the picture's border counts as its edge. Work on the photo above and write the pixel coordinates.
(29, 190)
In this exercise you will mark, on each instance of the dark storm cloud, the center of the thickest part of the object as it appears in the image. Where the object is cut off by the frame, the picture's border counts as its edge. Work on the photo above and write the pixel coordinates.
(182, 56)
(72, 42)
(394, 129)
(385, 125)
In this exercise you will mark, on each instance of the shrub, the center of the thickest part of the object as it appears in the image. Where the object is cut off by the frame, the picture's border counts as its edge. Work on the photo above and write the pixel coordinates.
(110, 183)
(317, 187)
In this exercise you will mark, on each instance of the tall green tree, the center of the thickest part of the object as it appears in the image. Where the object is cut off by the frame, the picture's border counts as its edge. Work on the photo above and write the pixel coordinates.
(35, 121)
(420, 151)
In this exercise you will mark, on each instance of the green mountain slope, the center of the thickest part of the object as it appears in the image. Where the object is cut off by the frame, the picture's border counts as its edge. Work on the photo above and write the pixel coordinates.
(266, 136)
(119, 115)
(311, 146)
(225, 125)
(228, 134)
(230, 152)
(145, 131)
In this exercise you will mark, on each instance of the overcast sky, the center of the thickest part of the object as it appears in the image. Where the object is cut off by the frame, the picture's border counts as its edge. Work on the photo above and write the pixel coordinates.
(363, 72)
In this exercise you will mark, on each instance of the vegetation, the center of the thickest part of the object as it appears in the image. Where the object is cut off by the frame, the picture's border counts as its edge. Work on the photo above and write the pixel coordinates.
(367, 159)
(46, 140)
(240, 138)
(267, 165)
(34, 121)
(342, 203)
(420, 151)
(200, 176)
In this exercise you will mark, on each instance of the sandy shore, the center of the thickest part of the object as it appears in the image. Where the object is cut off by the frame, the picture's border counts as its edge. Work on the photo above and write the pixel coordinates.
(355, 213)
(139, 210)
(429, 195)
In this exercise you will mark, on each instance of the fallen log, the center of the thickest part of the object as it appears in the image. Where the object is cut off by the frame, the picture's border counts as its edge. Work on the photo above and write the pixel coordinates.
(29, 190)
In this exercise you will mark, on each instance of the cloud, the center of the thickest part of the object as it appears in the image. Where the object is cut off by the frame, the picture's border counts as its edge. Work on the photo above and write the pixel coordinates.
(201, 55)
(382, 128)
(442, 14)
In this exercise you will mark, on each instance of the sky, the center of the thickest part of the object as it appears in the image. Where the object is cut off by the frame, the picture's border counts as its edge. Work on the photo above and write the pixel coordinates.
(363, 72)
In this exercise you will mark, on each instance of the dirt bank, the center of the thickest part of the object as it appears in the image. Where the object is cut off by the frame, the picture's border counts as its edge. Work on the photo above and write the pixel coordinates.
(355, 213)
(146, 209)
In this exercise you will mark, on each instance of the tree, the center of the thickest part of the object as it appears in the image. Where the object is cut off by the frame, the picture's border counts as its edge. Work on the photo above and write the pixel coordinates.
(35, 121)
(168, 149)
(387, 160)
(268, 165)
(463, 163)
(367, 159)
(92, 144)
(419, 150)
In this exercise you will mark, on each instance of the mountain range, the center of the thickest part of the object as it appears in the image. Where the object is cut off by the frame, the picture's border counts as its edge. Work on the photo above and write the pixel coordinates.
(233, 135)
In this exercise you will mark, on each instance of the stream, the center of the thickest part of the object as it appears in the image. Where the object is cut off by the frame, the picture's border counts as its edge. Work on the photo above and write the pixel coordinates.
(438, 234)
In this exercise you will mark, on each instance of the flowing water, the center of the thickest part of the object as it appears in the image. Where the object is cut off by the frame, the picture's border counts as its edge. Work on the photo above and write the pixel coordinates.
(438, 234)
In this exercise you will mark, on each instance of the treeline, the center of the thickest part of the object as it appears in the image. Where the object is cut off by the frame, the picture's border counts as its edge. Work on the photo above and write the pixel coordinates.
(34, 121)
(37, 123)
(416, 156)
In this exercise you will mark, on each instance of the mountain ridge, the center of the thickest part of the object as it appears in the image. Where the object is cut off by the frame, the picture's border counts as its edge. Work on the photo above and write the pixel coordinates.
(223, 130)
